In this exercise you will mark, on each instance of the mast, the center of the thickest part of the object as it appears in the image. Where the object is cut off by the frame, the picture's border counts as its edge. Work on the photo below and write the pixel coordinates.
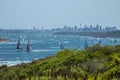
(61, 45)
(19, 46)
(86, 44)
(100, 41)
(28, 46)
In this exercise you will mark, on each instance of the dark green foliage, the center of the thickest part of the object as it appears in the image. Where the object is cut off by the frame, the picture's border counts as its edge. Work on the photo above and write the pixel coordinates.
(94, 63)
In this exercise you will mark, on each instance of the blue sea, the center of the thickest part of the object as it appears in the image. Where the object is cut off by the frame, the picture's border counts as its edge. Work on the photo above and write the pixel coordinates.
(44, 44)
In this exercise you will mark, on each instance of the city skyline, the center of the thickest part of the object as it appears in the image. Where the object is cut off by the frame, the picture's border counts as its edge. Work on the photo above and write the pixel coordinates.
(26, 14)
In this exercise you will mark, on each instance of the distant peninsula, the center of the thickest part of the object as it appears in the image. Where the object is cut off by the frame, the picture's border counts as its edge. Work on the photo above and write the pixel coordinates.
(112, 34)
(3, 40)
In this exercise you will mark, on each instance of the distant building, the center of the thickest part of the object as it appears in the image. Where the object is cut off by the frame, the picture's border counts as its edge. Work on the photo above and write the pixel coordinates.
(86, 28)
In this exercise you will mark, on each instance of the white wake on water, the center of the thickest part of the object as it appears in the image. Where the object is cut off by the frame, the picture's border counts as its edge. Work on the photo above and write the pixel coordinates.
(42, 50)
(12, 63)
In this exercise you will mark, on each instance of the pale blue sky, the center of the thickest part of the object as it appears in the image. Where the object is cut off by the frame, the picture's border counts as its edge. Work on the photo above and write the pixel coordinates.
(57, 13)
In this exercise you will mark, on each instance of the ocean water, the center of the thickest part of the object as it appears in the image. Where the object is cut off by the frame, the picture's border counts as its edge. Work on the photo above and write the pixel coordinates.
(43, 44)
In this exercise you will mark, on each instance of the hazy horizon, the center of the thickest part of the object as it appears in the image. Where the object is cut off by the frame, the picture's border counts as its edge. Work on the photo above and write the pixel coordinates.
(26, 14)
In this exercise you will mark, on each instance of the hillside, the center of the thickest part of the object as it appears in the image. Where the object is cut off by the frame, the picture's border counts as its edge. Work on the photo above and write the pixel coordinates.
(114, 34)
(94, 63)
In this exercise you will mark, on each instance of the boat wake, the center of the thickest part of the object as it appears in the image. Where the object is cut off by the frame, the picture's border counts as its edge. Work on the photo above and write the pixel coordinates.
(55, 47)
(12, 63)
(43, 50)
(7, 42)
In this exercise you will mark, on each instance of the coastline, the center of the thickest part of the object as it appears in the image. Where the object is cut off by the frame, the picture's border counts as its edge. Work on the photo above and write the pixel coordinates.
(112, 34)
(91, 63)
(3, 40)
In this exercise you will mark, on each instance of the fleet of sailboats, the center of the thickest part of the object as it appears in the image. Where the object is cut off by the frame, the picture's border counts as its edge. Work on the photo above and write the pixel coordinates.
(29, 48)
(19, 46)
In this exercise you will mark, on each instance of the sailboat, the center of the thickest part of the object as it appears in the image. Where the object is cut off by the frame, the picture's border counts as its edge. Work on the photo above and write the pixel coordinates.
(61, 45)
(19, 46)
(86, 45)
(100, 41)
(28, 46)
(115, 40)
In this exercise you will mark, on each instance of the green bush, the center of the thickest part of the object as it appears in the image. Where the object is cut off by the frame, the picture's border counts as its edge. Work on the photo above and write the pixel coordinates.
(94, 63)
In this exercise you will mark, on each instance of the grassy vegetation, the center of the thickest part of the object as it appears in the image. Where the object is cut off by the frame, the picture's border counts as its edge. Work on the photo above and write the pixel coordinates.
(94, 63)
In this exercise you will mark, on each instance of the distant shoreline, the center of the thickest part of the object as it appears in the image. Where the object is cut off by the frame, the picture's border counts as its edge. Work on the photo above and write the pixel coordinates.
(112, 34)
(3, 40)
